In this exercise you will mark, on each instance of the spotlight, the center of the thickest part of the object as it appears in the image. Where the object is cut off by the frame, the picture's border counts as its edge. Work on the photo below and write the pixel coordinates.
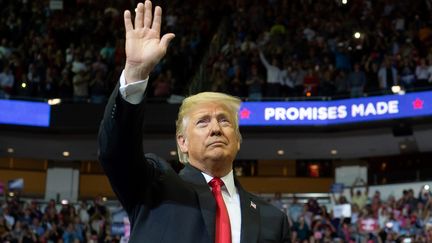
(54, 101)
(357, 35)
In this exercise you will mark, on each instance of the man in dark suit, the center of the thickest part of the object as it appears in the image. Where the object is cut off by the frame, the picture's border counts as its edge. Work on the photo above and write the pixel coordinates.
(204, 203)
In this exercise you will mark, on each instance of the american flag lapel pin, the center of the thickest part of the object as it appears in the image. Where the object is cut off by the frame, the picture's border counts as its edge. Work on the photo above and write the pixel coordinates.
(253, 205)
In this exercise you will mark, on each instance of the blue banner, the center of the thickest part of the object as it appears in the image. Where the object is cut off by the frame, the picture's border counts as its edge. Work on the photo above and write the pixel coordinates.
(313, 113)
(14, 112)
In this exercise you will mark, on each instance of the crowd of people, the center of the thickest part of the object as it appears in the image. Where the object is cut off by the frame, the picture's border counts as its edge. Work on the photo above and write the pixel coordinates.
(374, 219)
(77, 52)
(32, 221)
(322, 48)
(275, 48)
(370, 219)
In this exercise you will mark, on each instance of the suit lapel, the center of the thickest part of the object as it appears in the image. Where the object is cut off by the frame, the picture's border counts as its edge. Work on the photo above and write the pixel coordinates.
(205, 198)
(250, 216)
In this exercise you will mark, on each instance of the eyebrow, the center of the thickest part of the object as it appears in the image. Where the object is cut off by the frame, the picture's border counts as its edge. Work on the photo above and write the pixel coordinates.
(222, 114)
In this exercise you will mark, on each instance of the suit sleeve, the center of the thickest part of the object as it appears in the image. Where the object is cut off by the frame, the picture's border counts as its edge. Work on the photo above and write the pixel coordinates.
(286, 234)
(121, 152)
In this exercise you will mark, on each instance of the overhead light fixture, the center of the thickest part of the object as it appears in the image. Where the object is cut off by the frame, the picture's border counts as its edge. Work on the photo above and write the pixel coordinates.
(11, 194)
(55, 101)
(357, 35)
(333, 151)
(280, 152)
(66, 154)
(396, 89)
(10, 150)
(104, 199)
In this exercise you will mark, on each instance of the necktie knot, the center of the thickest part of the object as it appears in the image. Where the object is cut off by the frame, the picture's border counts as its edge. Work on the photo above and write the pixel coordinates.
(216, 183)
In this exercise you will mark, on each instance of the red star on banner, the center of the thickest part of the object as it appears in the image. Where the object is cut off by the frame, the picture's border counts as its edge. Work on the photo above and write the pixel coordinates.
(418, 104)
(245, 113)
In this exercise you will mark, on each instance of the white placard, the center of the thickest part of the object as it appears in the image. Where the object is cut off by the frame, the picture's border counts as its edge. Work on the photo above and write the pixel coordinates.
(342, 211)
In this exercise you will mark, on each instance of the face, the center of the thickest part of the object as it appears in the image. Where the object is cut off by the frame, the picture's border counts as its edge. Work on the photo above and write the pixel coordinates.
(210, 139)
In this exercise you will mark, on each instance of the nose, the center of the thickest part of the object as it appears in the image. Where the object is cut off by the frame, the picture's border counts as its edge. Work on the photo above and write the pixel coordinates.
(215, 129)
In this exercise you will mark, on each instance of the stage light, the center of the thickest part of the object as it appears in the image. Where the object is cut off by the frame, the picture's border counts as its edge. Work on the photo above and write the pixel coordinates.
(344, 1)
(55, 101)
(23, 85)
(396, 89)
(357, 35)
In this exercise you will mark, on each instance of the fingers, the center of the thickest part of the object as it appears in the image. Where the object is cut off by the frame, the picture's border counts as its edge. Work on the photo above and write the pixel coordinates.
(147, 14)
(157, 19)
(139, 15)
(165, 40)
(127, 21)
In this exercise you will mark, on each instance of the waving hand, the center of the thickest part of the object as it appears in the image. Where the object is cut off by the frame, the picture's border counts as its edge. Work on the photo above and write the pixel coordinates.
(144, 46)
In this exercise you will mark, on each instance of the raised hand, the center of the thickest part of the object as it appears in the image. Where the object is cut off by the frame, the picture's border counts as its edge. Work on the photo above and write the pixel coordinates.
(144, 46)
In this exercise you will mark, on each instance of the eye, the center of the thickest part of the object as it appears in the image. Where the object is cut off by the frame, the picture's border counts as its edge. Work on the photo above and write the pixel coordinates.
(202, 122)
(224, 121)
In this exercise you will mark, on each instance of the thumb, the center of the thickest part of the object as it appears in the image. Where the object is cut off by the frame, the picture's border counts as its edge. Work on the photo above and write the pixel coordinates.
(166, 39)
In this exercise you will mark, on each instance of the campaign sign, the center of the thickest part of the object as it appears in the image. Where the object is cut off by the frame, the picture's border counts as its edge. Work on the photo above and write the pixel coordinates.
(319, 113)
(337, 188)
(27, 113)
(342, 211)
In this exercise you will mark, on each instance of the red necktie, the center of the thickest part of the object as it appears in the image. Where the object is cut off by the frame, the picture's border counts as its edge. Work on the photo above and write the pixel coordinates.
(223, 226)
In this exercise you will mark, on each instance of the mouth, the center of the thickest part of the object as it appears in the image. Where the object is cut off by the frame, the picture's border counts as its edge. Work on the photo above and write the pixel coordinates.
(217, 143)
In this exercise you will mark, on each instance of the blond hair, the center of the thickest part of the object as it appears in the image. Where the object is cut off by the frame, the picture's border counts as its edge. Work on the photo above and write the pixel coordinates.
(230, 102)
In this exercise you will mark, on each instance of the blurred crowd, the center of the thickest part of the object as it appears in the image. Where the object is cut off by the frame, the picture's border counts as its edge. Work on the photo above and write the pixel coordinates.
(362, 219)
(273, 48)
(355, 218)
(281, 48)
(32, 221)
(77, 52)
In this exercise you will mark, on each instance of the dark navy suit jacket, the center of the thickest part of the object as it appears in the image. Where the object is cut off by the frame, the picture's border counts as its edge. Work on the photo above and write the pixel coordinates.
(164, 206)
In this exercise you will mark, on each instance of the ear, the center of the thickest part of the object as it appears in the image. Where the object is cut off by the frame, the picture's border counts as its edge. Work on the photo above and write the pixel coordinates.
(182, 143)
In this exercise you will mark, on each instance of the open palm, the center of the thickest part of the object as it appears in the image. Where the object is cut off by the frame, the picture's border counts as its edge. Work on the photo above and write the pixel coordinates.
(144, 46)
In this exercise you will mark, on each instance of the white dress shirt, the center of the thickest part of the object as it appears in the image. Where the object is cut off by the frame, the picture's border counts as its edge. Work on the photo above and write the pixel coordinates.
(133, 93)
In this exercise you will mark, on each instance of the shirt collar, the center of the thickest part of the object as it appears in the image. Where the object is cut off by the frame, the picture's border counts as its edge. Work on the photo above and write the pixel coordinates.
(228, 181)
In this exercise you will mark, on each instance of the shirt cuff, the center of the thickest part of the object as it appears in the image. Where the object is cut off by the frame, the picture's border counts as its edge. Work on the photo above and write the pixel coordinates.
(133, 92)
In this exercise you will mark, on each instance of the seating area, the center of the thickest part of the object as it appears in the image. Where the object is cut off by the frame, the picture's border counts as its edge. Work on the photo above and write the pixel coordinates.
(252, 49)
(373, 218)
